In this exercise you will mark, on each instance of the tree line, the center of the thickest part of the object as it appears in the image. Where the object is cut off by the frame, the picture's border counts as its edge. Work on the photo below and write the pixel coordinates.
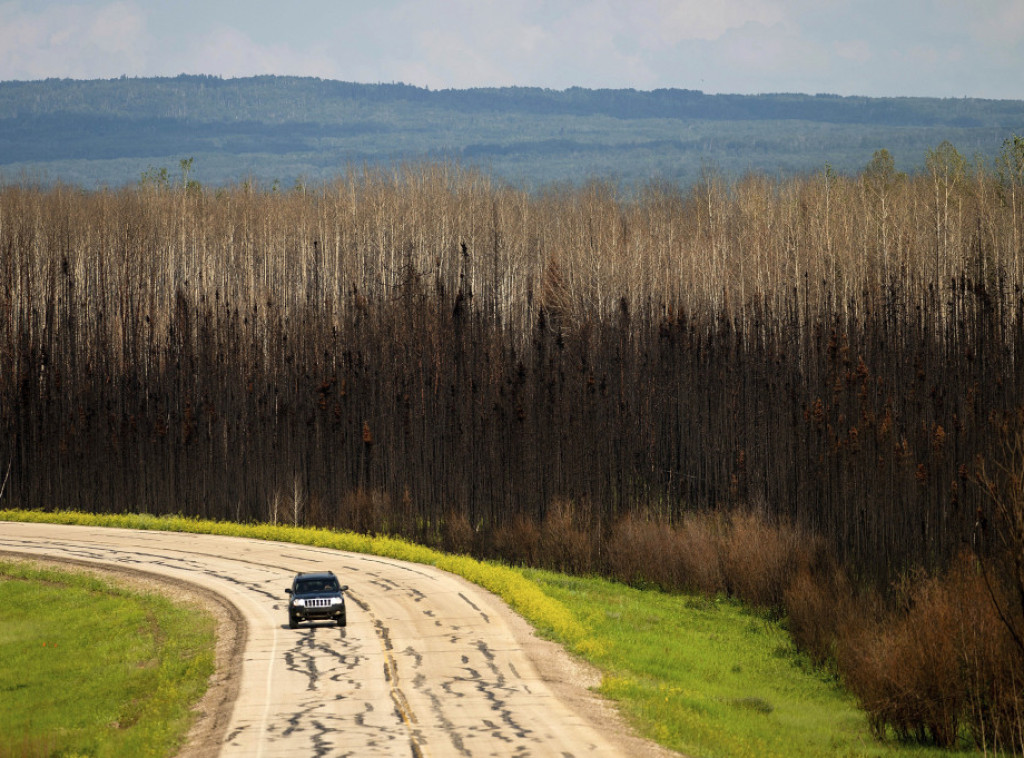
(834, 351)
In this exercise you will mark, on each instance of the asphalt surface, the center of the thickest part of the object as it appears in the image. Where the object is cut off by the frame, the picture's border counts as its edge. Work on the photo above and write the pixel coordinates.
(428, 665)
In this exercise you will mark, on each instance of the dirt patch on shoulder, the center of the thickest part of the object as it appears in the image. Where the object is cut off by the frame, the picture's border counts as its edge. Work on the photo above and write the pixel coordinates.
(213, 711)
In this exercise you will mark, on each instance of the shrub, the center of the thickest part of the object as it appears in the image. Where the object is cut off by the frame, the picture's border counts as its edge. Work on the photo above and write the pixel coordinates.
(992, 663)
(759, 560)
(699, 542)
(457, 534)
(818, 605)
(518, 543)
(941, 660)
(684, 558)
(633, 543)
(362, 511)
(565, 541)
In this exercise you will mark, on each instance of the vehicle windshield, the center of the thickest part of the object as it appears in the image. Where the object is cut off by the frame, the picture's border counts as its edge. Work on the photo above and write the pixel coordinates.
(317, 585)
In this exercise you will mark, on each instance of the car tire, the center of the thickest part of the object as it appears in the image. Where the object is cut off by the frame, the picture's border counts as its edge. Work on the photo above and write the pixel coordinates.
(293, 622)
(341, 621)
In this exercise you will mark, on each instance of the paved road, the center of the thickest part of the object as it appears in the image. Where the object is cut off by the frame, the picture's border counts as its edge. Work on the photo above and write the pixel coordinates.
(429, 665)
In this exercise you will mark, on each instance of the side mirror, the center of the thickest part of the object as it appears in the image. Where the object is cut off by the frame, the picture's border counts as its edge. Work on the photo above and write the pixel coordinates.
(344, 588)
(289, 590)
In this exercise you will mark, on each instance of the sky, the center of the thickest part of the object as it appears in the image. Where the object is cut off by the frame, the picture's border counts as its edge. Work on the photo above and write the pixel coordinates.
(930, 48)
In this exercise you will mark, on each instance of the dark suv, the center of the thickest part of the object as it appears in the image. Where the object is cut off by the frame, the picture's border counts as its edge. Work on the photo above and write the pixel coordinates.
(316, 596)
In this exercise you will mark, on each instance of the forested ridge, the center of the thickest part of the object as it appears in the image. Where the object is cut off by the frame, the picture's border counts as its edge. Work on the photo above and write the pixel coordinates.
(277, 99)
(795, 390)
(107, 132)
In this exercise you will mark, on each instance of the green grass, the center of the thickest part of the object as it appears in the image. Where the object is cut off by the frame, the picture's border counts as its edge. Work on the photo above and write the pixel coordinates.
(709, 678)
(90, 669)
(712, 678)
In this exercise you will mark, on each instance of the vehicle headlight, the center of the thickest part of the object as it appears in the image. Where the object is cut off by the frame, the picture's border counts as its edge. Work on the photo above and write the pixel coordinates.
(336, 601)
(299, 602)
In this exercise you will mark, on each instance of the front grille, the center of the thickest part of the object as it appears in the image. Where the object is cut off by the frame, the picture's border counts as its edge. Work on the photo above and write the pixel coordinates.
(318, 602)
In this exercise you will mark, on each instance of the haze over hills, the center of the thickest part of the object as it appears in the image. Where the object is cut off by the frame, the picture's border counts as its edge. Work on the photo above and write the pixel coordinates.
(288, 129)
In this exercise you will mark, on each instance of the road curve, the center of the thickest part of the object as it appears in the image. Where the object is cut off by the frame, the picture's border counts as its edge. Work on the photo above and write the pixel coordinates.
(429, 664)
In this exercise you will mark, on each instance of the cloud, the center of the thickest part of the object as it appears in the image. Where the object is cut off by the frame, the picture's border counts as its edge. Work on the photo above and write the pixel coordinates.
(598, 43)
(72, 40)
(668, 22)
(107, 39)
(116, 29)
(999, 22)
(872, 47)
(462, 43)
(863, 47)
(856, 50)
(230, 52)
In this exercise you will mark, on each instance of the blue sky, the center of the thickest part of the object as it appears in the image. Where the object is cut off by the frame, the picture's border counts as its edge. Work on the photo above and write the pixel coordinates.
(937, 48)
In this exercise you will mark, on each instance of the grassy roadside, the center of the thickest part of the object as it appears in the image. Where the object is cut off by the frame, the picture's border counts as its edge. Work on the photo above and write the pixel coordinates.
(709, 677)
(705, 677)
(90, 668)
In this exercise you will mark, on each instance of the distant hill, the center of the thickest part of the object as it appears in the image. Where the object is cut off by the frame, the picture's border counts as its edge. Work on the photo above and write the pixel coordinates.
(287, 129)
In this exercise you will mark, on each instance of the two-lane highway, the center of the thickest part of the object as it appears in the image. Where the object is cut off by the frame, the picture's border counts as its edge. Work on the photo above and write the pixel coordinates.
(429, 664)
